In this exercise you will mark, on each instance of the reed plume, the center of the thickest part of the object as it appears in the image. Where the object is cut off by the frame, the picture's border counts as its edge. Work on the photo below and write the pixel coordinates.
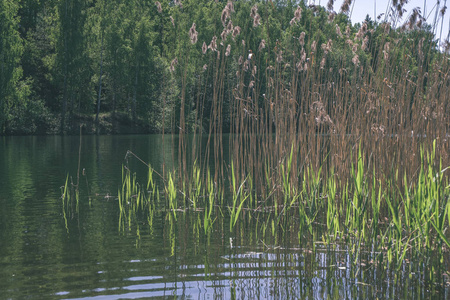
(193, 34)
(330, 5)
(255, 16)
(228, 50)
(158, 6)
(236, 32)
(346, 6)
(301, 38)
(338, 30)
(262, 45)
(297, 16)
(173, 64)
(224, 16)
(213, 44)
(331, 17)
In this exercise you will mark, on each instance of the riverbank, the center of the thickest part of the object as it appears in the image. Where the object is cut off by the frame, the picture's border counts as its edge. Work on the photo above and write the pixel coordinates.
(109, 124)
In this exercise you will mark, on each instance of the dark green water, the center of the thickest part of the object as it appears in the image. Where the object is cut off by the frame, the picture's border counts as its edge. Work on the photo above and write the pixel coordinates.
(42, 258)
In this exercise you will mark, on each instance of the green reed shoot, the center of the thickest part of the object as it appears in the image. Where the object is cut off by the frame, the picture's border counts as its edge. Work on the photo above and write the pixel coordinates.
(332, 208)
(376, 204)
(395, 220)
(150, 182)
(65, 201)
(240, 195)
(196, 187)
(171, 194)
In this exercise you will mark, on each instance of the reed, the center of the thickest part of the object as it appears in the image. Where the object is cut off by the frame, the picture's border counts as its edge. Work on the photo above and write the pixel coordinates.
(239, 198)
(66, 196)
(134, 199)
(393, 222)
(70, 196)
(347, 132)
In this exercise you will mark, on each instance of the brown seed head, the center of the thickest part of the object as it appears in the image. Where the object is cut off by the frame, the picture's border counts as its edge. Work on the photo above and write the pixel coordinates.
(331, 16)
(224, 34)
(256, 21)
(386, 51)
(292, 22)
(298, 14)
(254, 11)
(313, 46)
(262, 45)
(329, 45)
(303, 56)
(413, 18)
(322, 63)
(347, 31)
(228, 50)
(224, 16)
(355, 60)
(213, 44)
(387, 27)
(193, 34)
(246, 64)
(230, 6)
(173, 64)
(158, 6)
(330, 5)
(236, 31)
(361, 31)
(301, 39)
(365, 43)
(346, 6)
(230, 26)
(280, 56)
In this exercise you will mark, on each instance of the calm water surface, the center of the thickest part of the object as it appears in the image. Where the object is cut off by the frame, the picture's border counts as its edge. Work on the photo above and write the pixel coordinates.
(90, 258)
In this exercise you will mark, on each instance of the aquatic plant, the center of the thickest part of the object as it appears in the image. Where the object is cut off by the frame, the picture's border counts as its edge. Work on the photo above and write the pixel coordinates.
(134, 199)
(293, 132)
(342, 139)
(391, 222)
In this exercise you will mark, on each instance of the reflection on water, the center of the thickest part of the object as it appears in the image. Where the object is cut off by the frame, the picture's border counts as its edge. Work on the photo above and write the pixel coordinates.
(93, 259)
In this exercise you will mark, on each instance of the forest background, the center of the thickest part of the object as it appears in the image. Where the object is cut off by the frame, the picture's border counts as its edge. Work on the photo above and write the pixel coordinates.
(121, 66)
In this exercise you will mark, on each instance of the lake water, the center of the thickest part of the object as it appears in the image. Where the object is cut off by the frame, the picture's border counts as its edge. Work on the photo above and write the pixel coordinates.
(90, 258)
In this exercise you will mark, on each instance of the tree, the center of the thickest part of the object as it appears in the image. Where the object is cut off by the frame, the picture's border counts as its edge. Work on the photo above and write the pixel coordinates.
(13, 90)
(71, 59)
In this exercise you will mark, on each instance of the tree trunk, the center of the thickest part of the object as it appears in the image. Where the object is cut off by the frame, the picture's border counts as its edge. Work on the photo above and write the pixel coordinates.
(99, 88)
(133, 107)
(64, 104)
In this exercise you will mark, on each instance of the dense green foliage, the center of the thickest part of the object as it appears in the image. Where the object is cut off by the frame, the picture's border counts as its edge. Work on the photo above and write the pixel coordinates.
(66, 62)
